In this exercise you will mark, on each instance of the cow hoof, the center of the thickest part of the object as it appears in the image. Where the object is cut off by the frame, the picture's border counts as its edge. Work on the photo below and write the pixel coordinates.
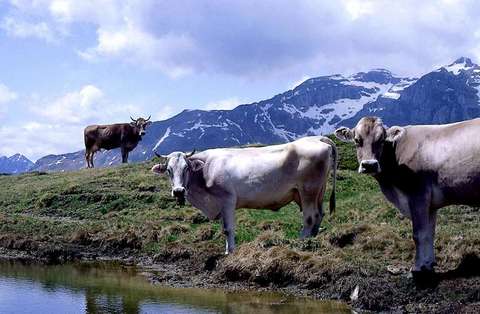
(425, 279)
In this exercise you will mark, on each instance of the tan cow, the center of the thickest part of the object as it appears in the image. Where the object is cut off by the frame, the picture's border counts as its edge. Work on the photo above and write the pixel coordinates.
(420, 169)
(218, 181)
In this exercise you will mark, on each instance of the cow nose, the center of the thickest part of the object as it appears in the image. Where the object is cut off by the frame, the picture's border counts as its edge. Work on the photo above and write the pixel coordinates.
(142, 133)
(369, 166)
(178, 192)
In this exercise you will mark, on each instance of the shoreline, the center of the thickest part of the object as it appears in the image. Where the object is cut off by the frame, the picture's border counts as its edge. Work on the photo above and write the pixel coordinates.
(187, 268)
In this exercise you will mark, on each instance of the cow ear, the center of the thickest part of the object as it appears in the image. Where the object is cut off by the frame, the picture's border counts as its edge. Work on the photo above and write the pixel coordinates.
(394, 133)
(159, 168)
(344, 134)
(196, 164)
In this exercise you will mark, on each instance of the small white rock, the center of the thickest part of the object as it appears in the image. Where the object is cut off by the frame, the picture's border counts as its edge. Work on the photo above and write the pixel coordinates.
(354, 295)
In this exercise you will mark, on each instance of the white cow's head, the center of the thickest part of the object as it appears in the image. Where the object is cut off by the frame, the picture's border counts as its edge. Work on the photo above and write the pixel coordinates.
(370, 136)
(179, 167)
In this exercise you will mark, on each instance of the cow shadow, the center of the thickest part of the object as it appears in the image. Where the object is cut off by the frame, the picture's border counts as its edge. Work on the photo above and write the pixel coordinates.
(468, 267)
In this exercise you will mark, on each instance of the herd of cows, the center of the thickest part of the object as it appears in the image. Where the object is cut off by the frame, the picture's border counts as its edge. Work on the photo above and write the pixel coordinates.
(419, 169)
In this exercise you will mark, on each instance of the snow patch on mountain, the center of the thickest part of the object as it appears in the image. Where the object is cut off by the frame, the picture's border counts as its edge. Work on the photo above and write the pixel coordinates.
(344, 108)
(394, 91)
(461, 64)
(160, 141)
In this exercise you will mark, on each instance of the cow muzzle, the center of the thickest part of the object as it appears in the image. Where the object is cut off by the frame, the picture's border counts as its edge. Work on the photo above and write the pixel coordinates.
(142, 133)
(369, 166)
(179, 194)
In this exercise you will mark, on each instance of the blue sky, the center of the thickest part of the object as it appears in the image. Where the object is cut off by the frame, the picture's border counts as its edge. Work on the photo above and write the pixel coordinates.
(65, 64)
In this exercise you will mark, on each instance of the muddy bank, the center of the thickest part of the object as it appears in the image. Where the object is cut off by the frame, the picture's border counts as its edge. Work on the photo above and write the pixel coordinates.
(277, 268)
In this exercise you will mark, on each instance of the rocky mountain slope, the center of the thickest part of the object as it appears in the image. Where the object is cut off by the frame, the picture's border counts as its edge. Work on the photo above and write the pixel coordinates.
(14, 164)
(317, 106)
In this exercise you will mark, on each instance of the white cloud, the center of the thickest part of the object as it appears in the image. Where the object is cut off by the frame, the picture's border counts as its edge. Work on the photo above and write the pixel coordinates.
(298, 82)
(6, 96)
(358, 8)
(131, 44)
(36, 140)
(74, 107)
(23, 29)
(244, 38)
(225, 104)
(56, 126)
(93, 11)
(165, 112)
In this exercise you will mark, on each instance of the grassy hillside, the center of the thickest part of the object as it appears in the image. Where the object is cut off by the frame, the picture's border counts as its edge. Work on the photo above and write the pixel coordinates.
(128, 210)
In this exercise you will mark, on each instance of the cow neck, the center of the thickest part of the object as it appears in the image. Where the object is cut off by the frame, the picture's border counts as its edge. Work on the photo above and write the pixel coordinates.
(199, 196)
(136, 132)
(388, 164)
(196, 181)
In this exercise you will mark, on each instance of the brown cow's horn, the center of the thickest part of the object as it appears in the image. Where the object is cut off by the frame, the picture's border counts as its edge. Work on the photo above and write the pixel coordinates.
(190, 154)
(133, 119)
(148, 119)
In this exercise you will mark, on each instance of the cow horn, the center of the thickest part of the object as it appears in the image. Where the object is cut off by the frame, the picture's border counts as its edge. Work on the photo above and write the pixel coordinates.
(190, 154)
(133, 119)
(148, 119)
(160, 156)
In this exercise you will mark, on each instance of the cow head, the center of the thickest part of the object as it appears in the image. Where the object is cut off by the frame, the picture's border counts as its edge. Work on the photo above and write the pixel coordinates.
(370, 136)
(140, 124)
(179, 168)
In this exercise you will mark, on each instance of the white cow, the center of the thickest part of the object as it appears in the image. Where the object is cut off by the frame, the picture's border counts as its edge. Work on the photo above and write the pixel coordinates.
(218, 181)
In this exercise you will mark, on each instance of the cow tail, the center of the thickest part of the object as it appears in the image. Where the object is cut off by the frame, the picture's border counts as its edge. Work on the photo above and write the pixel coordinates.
(334, 173)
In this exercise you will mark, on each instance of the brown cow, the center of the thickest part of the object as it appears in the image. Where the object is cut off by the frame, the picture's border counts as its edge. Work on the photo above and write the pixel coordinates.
(420, 169)
(123, 135)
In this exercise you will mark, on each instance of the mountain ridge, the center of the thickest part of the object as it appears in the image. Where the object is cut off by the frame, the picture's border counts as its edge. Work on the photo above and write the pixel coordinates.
(316, 106)
(15, 164)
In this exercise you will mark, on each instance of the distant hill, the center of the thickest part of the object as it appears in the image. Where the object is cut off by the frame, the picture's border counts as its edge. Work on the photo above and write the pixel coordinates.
(15, 164)
(316, 106)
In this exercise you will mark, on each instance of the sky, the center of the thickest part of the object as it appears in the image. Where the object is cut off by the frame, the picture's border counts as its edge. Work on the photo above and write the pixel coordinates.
(65, 64)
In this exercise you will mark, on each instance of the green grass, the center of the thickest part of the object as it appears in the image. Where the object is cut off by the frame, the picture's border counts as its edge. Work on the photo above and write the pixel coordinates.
(131, 207)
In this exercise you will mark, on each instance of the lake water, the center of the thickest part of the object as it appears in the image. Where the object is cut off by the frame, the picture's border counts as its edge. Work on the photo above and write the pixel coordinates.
(106, 288)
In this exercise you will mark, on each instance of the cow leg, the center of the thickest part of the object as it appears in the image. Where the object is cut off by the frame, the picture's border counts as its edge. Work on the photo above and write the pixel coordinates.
(423, 223)
(311, 215)
(90, 159)
(87, 153)
(124, 156)
(228, 220)
(319, 214)
(317, 221)
(92, 153)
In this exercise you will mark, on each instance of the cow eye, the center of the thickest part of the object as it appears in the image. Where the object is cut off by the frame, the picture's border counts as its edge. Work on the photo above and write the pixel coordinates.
(358, 141)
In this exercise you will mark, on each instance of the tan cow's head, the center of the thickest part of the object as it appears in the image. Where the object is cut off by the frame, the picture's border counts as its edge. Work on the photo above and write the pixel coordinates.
(179, 168)
(369, 136)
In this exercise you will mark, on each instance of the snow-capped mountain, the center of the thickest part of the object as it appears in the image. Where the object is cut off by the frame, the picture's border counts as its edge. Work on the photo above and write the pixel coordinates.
(317, 106)
(15, 164)
(448, 94)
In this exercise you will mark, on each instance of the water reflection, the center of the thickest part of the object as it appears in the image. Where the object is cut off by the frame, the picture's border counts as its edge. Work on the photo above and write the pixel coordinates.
(107, 288)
